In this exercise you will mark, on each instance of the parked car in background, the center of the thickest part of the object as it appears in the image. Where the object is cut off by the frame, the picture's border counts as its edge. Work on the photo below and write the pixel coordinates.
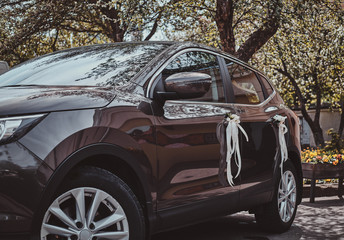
(118, 141)
(3, 67)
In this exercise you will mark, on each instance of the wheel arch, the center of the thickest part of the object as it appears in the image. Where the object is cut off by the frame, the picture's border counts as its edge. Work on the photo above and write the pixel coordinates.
(115, 160)
(295, 158)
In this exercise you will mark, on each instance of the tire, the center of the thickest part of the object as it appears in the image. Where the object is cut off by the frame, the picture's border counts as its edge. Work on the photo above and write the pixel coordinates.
(94, 204)
(278, 215)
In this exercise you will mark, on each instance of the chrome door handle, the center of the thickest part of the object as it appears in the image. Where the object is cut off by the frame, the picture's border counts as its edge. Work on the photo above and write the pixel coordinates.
(270, 109)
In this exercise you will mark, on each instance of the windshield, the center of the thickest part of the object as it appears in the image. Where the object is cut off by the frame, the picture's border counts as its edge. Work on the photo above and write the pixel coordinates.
(98, 65)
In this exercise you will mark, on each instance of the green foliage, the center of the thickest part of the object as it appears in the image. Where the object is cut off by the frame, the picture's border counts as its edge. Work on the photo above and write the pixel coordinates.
(308, 44)
(29, 28)
(305, 58)
(309, 47)
(199, 21)
(336, 143)
(34, 27)
(191, 21)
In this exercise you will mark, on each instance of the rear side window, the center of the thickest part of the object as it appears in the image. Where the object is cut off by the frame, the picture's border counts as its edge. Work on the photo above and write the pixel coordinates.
(246, 86)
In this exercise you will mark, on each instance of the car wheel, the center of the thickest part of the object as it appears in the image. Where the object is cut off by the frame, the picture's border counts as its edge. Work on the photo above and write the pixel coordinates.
(94, 204)
(278, 215)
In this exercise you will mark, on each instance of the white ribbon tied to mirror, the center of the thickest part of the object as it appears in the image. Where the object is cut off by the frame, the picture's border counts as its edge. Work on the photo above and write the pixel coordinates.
(232, 139)
(282, 130)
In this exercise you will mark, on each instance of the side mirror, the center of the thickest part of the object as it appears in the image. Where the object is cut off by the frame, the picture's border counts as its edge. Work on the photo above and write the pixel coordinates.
(188, 84)
(3, 67)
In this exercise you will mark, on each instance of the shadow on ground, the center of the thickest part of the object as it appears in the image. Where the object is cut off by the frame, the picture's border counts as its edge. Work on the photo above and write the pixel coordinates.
(323, 219)
(237, 226)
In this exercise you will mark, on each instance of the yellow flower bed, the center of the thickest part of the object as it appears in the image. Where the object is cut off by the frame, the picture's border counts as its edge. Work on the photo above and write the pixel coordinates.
(315, 156)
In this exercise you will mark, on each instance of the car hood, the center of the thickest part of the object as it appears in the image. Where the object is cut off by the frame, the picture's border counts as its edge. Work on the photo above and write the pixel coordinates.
(20, 100)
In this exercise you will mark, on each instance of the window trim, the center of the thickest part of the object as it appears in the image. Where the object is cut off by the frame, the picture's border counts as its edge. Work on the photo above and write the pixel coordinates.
(265, 92)
(153, 80)
(264, 78)
(227, 83)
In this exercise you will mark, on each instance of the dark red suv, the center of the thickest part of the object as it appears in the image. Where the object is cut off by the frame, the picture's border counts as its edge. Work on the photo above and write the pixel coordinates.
(121, 141)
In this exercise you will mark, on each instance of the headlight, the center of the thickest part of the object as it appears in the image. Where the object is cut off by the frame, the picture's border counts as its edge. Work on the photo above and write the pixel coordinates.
(15, 127)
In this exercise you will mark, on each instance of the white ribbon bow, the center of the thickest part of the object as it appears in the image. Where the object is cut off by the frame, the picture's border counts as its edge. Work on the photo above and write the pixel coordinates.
(282, 130)
(232, 138)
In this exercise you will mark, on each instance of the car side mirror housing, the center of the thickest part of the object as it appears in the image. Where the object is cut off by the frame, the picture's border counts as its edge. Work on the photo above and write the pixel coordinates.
(186, 85)
(3, 67)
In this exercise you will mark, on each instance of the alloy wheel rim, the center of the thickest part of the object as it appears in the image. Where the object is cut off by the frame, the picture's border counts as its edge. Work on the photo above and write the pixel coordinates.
(287, 196)
(85, 214)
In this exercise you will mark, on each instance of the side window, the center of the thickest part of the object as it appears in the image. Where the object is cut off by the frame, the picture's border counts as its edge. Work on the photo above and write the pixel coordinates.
(203, 63)
(246, 86)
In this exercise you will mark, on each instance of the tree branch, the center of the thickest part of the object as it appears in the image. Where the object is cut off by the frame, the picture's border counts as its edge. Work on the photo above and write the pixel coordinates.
(261, 35)
(53, 46)
(155, 26)
(240, 18)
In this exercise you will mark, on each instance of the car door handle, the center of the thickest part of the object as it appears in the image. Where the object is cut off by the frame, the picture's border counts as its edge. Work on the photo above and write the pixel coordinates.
(270, 109)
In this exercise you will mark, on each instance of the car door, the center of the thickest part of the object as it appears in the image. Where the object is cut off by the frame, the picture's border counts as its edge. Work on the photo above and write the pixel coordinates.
(188, 151)
(255, 104)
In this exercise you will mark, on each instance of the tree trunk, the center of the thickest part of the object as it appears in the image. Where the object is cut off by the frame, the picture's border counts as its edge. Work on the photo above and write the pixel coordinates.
(114, 30)
(313, 124)
(341, 125)
(224, 21)
(318, 135)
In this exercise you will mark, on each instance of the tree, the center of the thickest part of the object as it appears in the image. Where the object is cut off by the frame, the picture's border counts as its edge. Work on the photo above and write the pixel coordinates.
(239, 27)
(302, 40)
(59, 24)
(264, 16)
(306, 56)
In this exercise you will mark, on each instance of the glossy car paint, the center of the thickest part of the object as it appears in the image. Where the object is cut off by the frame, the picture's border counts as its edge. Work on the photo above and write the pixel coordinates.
(169, 158)
(42, 99)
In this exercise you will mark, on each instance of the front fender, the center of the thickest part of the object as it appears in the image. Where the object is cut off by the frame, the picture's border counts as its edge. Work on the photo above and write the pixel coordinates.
(65, 167)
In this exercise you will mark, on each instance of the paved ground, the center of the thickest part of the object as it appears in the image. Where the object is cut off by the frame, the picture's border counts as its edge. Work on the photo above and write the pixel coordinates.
(323, 219)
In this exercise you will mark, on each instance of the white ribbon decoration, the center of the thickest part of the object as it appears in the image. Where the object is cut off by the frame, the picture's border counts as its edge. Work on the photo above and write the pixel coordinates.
(282, 130)
(232, 138)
